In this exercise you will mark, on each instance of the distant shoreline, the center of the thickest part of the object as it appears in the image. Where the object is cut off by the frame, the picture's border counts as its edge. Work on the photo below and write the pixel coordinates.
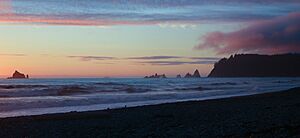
(266, 115)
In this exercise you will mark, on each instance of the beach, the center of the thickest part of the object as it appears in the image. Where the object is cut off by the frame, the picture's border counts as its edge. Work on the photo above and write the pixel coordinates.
(273, 114)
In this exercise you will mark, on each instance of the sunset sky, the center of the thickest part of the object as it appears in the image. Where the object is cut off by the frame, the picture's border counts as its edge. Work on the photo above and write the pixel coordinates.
(133, 38)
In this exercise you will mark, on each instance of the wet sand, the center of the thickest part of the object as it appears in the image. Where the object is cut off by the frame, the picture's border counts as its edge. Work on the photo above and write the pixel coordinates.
(264, 115)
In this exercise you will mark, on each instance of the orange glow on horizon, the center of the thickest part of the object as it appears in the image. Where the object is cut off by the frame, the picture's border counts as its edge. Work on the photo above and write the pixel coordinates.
(63, 67)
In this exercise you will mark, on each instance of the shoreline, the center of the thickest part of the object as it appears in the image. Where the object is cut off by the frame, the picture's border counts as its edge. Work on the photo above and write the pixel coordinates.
(117, 106)
(268, 115)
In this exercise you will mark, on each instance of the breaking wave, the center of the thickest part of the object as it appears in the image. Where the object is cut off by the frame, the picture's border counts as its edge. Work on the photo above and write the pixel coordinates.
(39, 96)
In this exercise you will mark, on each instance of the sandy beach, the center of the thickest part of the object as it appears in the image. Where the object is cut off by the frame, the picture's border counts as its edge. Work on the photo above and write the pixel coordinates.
(265, 115)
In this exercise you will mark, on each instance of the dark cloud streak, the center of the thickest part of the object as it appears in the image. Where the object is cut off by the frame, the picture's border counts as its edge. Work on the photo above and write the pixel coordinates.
(205, 58)
(171, 63)
(153, 60)
(154, 57)
(15, 55)
(89, 58)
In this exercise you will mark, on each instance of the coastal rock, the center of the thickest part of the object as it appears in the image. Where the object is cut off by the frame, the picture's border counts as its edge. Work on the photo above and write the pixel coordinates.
(188, 75)
(156, 76)
(18, 75)
(178, 76)
(196, 74)
(254, 65)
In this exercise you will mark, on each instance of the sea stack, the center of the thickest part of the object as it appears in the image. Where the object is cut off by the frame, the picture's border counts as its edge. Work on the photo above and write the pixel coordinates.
(18, 75)
(188, 75)
(156, 76)
(196, 74)
(178, 76)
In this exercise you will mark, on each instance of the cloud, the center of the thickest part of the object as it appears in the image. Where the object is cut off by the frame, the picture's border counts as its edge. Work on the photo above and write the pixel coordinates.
(154, 57)
(14, 55)
(174, 13)
(152, 60)
(278, 35)
(205, 58)
(169, 63)
(175, 60)
(177, 25)
(89, 58)
(172, 57)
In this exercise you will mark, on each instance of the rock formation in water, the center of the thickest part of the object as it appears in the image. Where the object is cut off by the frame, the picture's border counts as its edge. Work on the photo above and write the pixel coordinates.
(188, 75)
(178, 76)
(156, 76)
(195, 75)
(18, 75)
(254, 65)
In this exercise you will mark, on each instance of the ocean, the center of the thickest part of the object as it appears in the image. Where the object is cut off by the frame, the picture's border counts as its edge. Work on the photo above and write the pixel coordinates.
(43, 96)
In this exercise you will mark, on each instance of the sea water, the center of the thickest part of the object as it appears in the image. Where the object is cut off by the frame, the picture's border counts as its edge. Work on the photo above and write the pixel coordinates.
(23, 97)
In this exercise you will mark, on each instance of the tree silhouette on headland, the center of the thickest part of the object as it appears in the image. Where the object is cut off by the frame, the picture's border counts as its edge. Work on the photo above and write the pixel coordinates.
(254, 65)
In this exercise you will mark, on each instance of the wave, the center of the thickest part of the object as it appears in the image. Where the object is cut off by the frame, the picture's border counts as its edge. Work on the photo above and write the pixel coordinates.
(224, 83)
(110, 84)
(29, 96)
(285, 81)
(73, 89)
(119, 87)
(137, 90)
(69, 89)
(21, 86)
(199, 88)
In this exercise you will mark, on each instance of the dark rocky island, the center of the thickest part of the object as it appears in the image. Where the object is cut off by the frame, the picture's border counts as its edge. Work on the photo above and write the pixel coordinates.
(18, 75)
(156, 76)
(178, 76)
(195, 75)
(254, 65)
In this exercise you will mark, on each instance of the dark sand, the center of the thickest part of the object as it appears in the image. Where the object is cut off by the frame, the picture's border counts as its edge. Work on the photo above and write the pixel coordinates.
(265, 115)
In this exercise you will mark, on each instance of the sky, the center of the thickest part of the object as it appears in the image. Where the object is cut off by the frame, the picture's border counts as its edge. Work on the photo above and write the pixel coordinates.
(134, 38)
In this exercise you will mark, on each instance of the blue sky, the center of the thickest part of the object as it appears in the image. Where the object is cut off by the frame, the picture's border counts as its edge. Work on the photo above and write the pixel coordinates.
(111, 12)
